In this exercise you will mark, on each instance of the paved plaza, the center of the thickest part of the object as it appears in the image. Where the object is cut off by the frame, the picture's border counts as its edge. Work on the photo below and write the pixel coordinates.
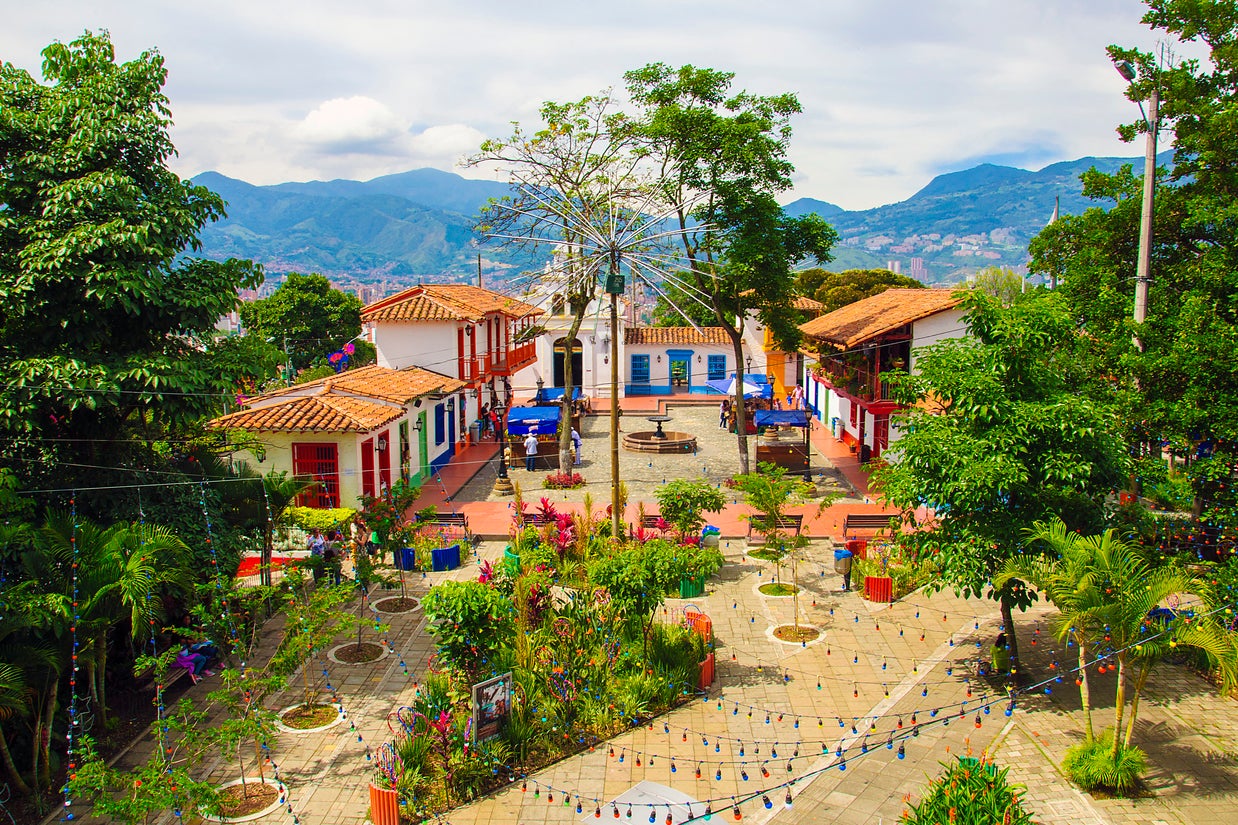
(878, 673)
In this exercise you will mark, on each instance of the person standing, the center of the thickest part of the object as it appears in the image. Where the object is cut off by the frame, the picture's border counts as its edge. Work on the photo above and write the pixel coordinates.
(723, 412)
(494, 423)
(484, 419)
(577, 444)
(530, 450)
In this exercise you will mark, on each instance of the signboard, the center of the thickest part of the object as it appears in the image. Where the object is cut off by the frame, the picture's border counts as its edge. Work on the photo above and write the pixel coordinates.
(614, 284)
(492, 704)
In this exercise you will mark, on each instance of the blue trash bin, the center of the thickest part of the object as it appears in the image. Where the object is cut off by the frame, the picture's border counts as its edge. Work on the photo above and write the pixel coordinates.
(406, 559)
(445, 558)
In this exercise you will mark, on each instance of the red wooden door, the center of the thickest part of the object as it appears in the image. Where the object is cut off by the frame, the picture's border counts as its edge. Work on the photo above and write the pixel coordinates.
(367, 468)
(320, 461)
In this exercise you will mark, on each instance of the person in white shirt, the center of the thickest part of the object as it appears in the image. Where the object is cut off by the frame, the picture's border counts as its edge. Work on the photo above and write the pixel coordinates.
(530, 450)
(577, 443)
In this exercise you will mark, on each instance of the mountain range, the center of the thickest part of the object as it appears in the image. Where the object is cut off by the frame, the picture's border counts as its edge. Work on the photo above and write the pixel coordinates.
(418, 225)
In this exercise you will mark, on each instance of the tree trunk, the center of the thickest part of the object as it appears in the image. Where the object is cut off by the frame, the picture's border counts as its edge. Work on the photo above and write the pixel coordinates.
(1012, 638)
(1144, 669)
(101, 675)
(14, 776)
(268, 552)
(1119, 705)
(741, 414)
(1085, 694)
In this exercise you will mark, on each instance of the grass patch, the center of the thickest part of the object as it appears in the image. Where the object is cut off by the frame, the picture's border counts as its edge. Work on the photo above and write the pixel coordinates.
(765, 555)
(305, 717)
(791, 633)
(778, 589)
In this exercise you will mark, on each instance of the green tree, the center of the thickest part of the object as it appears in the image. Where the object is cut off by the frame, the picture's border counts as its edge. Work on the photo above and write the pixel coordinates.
(725, 160)
(999, 440)
(837, 289)
(1004, 284)
(682, 501)
(470, 621)
(576, 186)
(637, 579)
(676, 306)
(1181, 387)
(969, 792)
(109, 318)
(307, 316)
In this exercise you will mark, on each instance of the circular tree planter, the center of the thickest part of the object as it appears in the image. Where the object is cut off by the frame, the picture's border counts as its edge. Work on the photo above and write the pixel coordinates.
(354, 654)
(761, 554)
(396, 605)
(265, 796)
(322, 715)
(788, 634)
(777, 590)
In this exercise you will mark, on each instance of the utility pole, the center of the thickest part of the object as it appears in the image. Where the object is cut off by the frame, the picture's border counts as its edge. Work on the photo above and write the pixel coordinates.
(614, 286)
(1143, 266)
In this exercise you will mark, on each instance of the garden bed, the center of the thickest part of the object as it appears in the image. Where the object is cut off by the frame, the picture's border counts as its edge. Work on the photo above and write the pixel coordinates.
(302, 718)
(796, 635)
(251, 800)
(357, 654)
(396, 604)
(777, 590)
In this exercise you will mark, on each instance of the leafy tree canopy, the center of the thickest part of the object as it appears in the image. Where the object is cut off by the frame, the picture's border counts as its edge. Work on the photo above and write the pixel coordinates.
(999, 439)
(312, 317)
(1183, 386)
(106, 316)
(837, 289)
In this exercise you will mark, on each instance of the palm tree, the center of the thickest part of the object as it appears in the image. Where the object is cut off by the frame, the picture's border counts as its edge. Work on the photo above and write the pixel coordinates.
(120, 571)
(280, 494)
(1106, 590)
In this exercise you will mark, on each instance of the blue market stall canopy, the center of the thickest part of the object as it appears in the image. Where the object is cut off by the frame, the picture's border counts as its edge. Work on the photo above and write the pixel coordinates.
(755, 386)
(522, 420)
(781, 418)
(548, 394)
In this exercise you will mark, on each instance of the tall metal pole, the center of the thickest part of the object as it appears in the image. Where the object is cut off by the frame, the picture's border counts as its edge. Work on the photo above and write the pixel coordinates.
(1143, 267)
(616, 517)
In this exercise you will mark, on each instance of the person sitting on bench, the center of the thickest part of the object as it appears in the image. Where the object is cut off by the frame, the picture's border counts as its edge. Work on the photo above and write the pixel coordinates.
(195, 663)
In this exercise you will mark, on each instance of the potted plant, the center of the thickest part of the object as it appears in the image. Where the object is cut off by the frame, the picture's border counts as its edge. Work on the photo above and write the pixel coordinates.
(880, 588)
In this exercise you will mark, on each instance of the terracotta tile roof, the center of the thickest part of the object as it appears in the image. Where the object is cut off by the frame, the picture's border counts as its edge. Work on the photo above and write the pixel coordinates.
(314, 413)
(868, 318)
(445, 302)
(400, 386)
(354, 401)
(675, 335)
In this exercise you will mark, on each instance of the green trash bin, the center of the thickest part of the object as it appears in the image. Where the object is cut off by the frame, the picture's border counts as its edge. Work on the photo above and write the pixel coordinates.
(691, 587)
(511, 560)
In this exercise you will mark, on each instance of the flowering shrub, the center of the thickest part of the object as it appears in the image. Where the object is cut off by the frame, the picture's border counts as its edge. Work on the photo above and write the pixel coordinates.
(563, 481)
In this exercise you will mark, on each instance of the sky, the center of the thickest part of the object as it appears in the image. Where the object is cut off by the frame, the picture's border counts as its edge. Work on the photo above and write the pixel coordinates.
(893, 91)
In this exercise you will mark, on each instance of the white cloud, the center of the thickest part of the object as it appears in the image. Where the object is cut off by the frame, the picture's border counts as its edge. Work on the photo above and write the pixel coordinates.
(893, 91)
(350, 124)
(450, 142)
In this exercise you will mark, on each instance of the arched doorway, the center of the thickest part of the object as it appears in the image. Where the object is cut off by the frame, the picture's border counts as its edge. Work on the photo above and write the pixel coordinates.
(561, 350)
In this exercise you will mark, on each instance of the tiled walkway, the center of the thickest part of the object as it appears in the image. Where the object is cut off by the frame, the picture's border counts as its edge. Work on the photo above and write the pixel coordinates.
(913, 663)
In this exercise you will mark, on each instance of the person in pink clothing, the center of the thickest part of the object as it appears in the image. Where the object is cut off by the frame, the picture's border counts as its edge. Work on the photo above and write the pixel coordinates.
(195, 663)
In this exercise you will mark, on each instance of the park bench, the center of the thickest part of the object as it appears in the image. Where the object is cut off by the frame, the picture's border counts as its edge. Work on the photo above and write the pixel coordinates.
(762, 525)
(454, 525)
(875, 523)
(652, 522)
(536, 519)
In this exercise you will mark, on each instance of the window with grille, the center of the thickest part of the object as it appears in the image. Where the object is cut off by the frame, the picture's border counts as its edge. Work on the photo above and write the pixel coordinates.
(640, 369)
(717, 367)
(322, 463)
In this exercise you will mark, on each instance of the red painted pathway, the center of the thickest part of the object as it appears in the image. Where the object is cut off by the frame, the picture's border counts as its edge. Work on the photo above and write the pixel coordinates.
(493, 519)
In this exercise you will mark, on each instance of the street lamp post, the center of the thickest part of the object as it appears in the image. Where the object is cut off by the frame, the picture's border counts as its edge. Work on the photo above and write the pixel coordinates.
(502, 484)
(1144, 265)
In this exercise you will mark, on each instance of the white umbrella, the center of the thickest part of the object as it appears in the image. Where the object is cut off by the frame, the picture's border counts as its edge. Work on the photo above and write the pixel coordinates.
(749, 389)
(647, 795)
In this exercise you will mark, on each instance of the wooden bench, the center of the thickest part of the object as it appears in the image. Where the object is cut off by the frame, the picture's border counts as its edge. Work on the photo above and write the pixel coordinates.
(875, 523)
(457, 521)
(652, 522)
(761, 525)
(536, 519)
